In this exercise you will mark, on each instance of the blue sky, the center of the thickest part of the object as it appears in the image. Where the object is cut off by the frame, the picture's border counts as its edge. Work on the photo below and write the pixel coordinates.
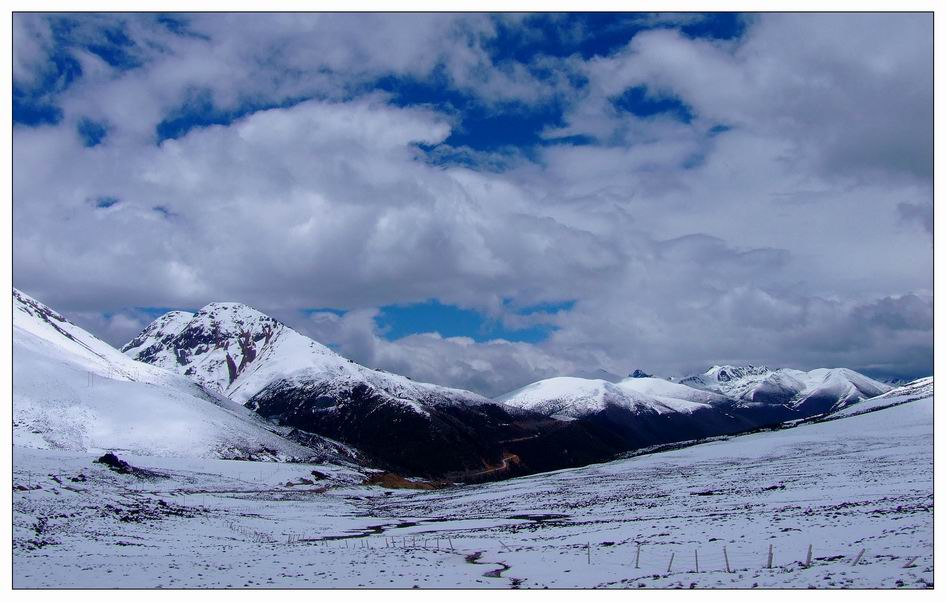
(568, 192)
(513, 127)
(479, 126)
(398, 321)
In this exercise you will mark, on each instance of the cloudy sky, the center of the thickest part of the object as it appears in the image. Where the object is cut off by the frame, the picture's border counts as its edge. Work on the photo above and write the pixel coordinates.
(486, 200)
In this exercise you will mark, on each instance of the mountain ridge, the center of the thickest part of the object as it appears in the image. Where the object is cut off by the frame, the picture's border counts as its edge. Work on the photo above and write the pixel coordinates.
(430, 429)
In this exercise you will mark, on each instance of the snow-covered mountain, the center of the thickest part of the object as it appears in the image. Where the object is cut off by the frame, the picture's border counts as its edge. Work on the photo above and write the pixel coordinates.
(571, 398)
(725, 399)
(808, 393)
(727, 380)
(239, 351)
(74, 391)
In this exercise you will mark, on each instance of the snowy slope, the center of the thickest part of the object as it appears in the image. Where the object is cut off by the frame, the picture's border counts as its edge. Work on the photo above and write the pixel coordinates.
(570, 397)
(238, 351)
(918, 389)
(73, 391)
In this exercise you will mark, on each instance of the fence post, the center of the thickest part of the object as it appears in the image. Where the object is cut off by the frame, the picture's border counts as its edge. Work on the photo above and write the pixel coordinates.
(670, 564)
(909, 564)
(726, 556)
(770, 557)
(696, 559)
(637, 558)
(589, 552)
(808, 560)
(858, 559)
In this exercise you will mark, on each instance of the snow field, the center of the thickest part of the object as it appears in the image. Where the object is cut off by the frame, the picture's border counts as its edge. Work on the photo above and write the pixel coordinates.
(840, 486)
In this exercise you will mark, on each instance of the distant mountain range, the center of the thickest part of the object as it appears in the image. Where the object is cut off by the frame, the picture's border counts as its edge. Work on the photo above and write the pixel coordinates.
(230, 381)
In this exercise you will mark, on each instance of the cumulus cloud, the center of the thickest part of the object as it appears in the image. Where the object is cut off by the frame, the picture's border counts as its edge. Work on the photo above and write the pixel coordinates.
(787, 237)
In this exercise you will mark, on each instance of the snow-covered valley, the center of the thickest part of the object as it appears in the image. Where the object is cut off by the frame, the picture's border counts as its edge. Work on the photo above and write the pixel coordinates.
(861, 482)
(205, 492)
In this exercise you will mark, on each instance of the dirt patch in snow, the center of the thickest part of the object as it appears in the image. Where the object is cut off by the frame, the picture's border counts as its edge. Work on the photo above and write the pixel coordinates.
(391, 480)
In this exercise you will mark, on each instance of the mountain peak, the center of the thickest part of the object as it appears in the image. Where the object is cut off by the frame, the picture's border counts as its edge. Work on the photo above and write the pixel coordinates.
(213, 346)
(232, 306)
(229, 314)
(726, 373)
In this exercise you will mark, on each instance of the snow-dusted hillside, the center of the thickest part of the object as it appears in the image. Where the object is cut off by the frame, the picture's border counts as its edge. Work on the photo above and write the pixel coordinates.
(571, 397)
(811, 392)
(73, 391)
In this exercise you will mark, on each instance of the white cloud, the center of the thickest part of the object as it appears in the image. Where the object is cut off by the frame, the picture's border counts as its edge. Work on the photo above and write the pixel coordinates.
(851, 93)
(491, 367)
(794, 238)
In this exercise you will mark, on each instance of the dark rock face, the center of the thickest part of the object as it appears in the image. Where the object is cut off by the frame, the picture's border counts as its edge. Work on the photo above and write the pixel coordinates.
(115, 463)
(232, 368)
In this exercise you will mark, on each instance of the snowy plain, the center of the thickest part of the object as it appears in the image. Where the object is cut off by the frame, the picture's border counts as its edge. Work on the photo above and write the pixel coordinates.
(862, 482)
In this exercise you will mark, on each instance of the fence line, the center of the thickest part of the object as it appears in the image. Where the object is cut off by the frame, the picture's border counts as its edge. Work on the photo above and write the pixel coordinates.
(648, 559)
